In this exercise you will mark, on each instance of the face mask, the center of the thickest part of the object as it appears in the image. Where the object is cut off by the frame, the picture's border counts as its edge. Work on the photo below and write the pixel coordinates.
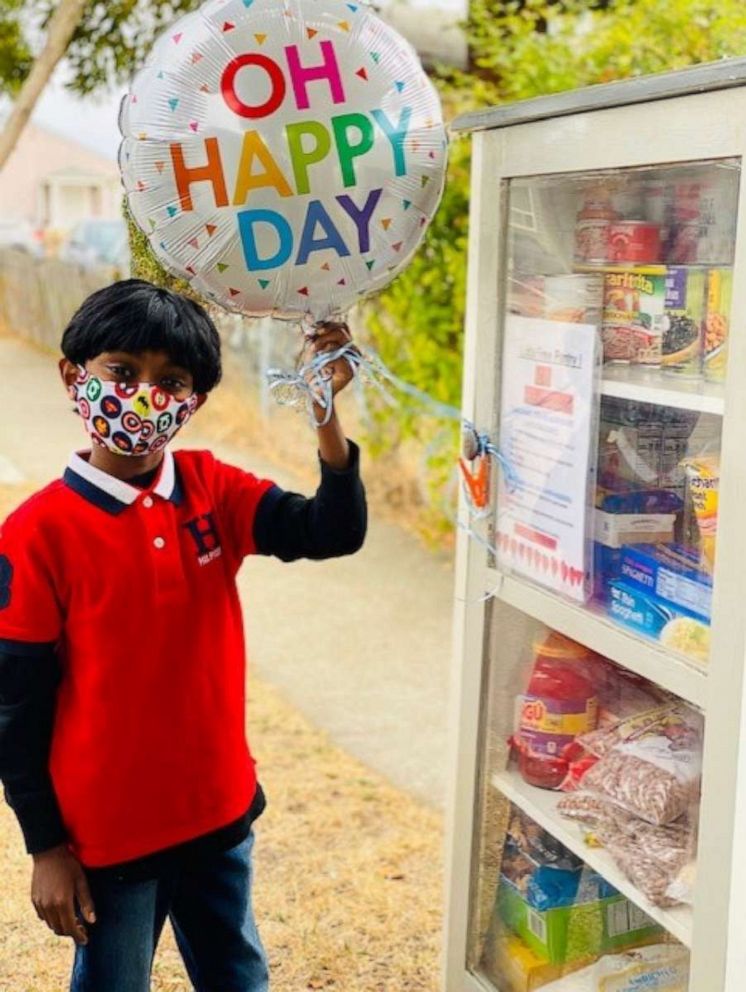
(129, 418)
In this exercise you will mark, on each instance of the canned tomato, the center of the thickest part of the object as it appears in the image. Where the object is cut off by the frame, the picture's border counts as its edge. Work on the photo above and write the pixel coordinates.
(632, 324)
(682, 321)
(635, 241)
(717, 323)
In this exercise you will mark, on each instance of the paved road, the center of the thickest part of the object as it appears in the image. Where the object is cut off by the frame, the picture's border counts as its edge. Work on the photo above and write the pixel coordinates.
(361, 645)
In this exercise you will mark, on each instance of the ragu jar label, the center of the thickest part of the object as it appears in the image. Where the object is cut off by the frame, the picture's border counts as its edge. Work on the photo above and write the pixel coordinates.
(548, 725)
(559, 705)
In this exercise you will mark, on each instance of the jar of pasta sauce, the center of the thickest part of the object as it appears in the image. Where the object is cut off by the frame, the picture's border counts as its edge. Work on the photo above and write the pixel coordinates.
(558, 706)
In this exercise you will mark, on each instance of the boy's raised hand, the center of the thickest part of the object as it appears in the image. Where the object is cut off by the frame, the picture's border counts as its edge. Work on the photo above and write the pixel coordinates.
(57, 884)
(329, 336)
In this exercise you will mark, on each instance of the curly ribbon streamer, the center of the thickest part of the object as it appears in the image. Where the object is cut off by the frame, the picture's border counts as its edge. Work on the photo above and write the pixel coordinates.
(309, 386)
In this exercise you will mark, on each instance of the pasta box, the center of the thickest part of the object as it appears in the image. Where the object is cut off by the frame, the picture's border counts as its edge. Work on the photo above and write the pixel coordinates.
(671, 574)
(677, 629)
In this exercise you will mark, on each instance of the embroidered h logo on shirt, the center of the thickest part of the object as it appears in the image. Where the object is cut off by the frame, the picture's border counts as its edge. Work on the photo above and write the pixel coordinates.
(205, 536)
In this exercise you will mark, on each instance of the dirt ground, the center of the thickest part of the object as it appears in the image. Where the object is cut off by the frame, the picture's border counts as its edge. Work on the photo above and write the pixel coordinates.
(348, 880)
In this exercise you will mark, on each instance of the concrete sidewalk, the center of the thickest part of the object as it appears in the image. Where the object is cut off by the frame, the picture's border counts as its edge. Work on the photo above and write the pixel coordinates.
(360, 645)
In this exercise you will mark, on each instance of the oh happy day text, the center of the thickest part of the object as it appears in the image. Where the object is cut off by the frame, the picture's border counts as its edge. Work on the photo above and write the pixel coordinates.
(349, 136)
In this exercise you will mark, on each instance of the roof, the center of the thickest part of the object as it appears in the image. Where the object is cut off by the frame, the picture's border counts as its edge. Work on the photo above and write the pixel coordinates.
(725, 74)
(74, 174)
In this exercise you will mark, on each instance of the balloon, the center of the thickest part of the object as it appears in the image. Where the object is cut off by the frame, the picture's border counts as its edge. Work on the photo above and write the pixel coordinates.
(284, 157)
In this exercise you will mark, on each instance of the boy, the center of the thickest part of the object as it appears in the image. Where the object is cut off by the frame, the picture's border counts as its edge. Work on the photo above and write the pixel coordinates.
(122, 745)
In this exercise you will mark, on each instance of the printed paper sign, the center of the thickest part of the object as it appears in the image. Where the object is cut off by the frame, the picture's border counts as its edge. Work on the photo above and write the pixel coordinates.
(548, 420)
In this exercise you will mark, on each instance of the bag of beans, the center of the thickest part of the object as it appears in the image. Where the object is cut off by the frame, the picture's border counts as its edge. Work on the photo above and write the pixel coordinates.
(654, 859)
(649, 765)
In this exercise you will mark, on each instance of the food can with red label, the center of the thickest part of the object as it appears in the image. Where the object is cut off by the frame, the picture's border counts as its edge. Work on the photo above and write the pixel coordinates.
(632, 323)
(635, 242)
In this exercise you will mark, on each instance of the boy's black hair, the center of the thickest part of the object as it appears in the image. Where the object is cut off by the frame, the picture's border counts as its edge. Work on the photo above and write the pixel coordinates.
(134, 315)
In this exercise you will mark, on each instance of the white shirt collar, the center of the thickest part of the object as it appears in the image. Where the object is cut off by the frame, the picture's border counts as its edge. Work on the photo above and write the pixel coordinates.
(114, 494)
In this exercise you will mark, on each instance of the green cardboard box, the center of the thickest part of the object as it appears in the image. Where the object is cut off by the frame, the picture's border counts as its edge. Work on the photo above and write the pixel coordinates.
(577, 932)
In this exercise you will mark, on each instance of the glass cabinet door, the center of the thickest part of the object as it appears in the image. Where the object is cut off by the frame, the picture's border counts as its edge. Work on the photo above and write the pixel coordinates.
(615, 301)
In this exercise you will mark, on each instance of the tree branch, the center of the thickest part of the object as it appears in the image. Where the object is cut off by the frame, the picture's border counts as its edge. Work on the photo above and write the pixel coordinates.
(62, 25)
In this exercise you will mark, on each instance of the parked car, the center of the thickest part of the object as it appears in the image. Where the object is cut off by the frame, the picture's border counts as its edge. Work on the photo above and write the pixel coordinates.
(97, 243)
(20, 234)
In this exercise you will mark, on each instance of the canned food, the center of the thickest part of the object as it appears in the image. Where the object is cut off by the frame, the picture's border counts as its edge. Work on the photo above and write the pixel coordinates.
(682, 321)
(592, 240)
(634, 241)
(717, 323)
(632, 324)
(592, 227)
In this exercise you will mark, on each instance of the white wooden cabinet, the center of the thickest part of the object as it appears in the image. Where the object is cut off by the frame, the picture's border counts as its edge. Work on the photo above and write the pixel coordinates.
(685, 124)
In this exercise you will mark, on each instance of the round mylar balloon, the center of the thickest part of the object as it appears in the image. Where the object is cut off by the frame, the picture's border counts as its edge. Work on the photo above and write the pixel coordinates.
(285, 157)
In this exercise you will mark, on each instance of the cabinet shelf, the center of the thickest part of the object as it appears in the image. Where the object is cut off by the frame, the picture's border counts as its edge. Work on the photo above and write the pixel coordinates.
(634, 382)
(684, 678)
(541, 806)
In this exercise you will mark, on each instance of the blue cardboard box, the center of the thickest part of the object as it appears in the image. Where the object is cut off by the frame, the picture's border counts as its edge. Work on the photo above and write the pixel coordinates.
(640, 611)
(669, 575)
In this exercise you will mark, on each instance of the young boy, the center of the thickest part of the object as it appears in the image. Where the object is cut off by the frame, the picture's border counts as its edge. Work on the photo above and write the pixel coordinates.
(122, 745)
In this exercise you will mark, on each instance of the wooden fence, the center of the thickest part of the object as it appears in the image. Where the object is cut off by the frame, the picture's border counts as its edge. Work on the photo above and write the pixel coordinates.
(38, 296)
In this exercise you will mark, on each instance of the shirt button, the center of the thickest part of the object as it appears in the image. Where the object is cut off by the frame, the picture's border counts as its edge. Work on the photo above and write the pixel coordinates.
(147, 502)
(159, 542)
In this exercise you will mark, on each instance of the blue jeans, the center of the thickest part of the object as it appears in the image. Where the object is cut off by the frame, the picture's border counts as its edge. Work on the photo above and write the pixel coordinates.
(209, 904)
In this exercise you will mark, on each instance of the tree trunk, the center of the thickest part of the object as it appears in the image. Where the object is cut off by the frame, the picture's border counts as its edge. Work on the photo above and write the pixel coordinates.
(62, 25)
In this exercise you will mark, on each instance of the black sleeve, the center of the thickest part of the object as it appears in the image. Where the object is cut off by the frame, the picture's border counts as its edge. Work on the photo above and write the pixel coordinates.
(29, 675)
(330, 524)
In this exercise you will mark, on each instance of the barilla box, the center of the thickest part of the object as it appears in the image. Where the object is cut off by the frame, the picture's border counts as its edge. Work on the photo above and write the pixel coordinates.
(669, 573)
(568, 934)
(641, 611)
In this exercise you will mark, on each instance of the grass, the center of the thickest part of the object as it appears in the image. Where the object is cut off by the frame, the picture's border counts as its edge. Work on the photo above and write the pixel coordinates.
(348, 892)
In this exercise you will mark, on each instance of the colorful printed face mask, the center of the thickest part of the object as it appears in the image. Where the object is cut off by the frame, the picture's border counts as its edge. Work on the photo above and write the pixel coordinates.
(129, 418)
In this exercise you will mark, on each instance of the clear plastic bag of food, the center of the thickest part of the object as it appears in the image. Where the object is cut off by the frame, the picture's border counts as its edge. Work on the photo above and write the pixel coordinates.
(651, 764)
(660, 968)
(652, 857)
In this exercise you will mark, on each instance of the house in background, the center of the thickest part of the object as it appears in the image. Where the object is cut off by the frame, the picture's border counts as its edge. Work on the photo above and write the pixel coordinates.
(52, 182)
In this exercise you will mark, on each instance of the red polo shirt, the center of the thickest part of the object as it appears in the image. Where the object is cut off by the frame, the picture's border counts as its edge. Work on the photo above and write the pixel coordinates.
(138, 589)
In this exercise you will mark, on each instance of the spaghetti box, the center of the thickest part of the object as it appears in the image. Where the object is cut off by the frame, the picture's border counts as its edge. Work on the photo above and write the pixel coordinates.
(577, 932)
(641, 611)
(670, 574)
